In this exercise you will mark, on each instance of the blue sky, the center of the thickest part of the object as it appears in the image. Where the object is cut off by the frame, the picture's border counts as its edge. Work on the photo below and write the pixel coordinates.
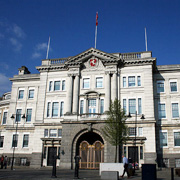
(25, 26)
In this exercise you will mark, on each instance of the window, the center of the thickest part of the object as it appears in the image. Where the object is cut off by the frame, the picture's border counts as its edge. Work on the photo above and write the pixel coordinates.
(45, 132)
(48, 109)
(166, 162)
(1, 141)
(176, 138)
(124, 81)
(18, 115)
(86, 83)
(175, 110)
(56, 85)
(52, 132)
(173, 86)
(162, 111)
(163, 138)
(99, 82)
(62, 109)
(139, 80)
(28, 115)
(139, 106)
(15, 140)
(21, 94)
(63, 85)
(92, 106)
(131, 81)
(102, 106)
(50, 85)
(4, 117)
(55, 107)
(160, 86)
(31, 94)
(141, 152)
(59, 132)
(81, 106)
(132, 131)
(132, 106)
(124, 106)
(140, 131)
(177, 162)
(25, 140)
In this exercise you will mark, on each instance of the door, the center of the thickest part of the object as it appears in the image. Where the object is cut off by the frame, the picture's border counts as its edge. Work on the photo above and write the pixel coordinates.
(133, 154)
(91, 155)
(52, 151)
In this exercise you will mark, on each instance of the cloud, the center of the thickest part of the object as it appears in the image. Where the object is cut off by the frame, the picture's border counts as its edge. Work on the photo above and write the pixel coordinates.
(42, 46)
(18, 31)
(4, 65)
(5, 84)
(17, 46)
(36, 55)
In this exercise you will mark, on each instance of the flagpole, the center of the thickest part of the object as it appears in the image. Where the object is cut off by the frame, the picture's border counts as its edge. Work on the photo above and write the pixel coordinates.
(48, 48)
(146, 39)
(96, 29)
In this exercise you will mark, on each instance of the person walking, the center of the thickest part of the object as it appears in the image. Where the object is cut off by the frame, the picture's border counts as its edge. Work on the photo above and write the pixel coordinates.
(2, 161)
(125, 164)
(5, 162)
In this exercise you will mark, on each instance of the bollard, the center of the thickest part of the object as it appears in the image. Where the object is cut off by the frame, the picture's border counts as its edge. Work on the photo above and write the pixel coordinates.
(172, 173)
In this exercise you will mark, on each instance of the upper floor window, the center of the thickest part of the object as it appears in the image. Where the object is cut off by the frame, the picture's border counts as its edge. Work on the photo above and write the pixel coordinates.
(86, 83)
(176, 138)
(18, 115)
(31, 93)
(48, 109)
(28, 115)
(50, 85)
(1, 141)
(56, 85)
(163, 138)
(132, 106)
(59, 132)
(162, 110)
(99, 82)
(63, 85)
(160, 86)
(52, 132)
(4, 117)
(25, 140)
(92, 106)
(132, 131)
(21, 94)
(15, 140)
(102, 106)
(139, 80)
(81, 106)
(140, 131)
(139, 106)
(62, 109)
(55, 107)
(124, 81)
(45, 132)
(131, 81)
(124, 106)
(173, 86)
(175, 110)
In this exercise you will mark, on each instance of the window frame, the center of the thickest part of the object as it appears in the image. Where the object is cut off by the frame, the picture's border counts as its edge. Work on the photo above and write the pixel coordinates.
(175, 117)
(29, 94)
(20, 96)
(159, 104)
(173, 81)
(161, 140)
(15, 140)
(176, 131)
(132, 82)
(99, 82)
(160, 82)
(5, 117)
(55, 86)
(28, 115)
(25, 141)
(85, 83)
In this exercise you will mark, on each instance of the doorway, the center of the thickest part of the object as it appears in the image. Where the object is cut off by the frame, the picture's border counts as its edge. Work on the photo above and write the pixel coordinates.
(52, 151)
(133, 154)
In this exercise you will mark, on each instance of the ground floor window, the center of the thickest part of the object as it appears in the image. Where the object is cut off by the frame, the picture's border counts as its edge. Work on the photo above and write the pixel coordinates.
(177, 162)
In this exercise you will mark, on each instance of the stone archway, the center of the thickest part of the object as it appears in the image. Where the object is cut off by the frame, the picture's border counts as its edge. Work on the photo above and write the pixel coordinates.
(90, 147)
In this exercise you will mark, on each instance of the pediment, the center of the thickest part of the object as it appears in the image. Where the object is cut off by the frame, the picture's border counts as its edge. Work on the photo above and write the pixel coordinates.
(92, 55)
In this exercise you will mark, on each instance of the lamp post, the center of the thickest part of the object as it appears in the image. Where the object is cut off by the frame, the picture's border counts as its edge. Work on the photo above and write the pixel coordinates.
(16, 121)
(135, 123)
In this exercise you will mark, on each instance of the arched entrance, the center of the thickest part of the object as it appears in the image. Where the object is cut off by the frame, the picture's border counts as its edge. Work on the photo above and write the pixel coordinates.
(90, 147)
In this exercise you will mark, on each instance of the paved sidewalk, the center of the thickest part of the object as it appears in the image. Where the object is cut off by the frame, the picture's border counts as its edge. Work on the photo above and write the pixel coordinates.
(27, 173)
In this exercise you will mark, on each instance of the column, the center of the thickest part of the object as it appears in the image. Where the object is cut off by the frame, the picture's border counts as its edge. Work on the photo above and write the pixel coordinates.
(69, 95)
(114, 87)
(76, 95)
(107, 92)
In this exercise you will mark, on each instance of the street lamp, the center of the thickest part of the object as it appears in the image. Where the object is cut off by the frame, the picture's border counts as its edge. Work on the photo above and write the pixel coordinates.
(16, 121)
(142, 117)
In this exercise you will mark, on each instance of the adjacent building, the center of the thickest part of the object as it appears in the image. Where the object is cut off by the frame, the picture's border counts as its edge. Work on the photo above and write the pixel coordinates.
(62, 110)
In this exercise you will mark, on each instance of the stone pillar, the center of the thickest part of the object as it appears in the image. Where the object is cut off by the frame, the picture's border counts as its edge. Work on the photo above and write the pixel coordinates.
(76, 95)
(114, 87)
(107, 92)
(69, 95)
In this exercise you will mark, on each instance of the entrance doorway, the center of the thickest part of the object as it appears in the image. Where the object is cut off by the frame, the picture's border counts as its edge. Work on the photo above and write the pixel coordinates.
(90, 147)
(52, 151)
(133, 154)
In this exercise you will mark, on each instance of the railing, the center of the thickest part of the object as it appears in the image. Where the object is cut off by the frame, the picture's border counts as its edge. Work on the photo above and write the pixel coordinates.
(90, 115)
(58, 61)
(131, 55)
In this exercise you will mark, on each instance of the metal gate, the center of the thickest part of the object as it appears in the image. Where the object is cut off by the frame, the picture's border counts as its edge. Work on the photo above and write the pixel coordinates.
(91, 155)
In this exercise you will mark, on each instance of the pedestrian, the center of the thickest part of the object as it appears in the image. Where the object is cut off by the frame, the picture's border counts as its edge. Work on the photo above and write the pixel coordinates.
(125, 164)
(5, 162)
(2, 161)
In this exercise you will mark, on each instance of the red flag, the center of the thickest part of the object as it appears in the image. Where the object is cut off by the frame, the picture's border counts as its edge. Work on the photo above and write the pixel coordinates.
(96, 18)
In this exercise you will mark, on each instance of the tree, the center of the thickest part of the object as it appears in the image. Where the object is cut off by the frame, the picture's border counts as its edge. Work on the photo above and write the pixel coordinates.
(115, 128)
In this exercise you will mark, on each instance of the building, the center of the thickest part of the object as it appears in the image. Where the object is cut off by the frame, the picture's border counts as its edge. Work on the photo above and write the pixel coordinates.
(62, 109)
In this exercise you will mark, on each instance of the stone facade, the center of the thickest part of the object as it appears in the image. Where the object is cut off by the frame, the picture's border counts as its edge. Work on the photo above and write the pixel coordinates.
(65, 104)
